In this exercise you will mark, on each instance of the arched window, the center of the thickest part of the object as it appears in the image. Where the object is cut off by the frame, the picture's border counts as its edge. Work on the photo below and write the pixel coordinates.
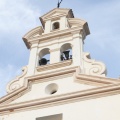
(44, 57)
(56, 25)
(66, 52)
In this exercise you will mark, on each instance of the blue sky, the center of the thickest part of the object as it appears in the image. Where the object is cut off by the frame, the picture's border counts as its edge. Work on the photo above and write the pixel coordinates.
(17, 17)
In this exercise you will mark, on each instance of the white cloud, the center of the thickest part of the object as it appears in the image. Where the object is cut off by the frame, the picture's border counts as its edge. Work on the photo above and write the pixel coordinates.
(103, 20)
(16, 16)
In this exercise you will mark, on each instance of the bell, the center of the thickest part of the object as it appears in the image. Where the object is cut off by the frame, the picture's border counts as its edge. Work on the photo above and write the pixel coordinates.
(66, 53)
(43, 61)
(62, 58)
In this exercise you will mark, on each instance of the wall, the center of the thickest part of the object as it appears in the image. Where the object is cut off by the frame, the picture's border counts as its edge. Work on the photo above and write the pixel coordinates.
(105, 108)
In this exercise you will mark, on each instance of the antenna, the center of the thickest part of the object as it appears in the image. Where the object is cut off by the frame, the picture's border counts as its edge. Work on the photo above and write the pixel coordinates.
(58, 5)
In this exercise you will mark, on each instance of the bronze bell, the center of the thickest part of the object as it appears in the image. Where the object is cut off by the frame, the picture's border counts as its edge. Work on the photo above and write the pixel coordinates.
(43, 61)
(66, 53)
(62, 58)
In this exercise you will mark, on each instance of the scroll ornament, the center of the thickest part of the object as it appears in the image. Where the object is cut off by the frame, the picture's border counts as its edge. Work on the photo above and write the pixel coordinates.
(93, 67)
(17, 82)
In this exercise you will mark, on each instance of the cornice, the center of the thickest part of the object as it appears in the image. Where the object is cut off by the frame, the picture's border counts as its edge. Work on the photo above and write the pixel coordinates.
(54, 65)
(79, 22)
(45, 37)
(97, 80)
(32, 33)
(61, 99)
(109, 87)
(29, 79)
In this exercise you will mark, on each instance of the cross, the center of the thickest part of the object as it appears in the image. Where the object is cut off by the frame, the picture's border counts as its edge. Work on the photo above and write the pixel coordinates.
(58, 5)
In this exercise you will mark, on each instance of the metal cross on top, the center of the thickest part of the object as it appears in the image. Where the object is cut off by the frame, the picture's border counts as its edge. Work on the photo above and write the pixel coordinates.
(58, 5)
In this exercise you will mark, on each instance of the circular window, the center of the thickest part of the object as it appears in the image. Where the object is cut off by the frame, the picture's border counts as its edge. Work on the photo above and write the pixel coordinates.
(56, 25)
(51, 89)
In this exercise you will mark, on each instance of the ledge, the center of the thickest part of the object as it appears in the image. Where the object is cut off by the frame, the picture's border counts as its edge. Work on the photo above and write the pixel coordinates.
(54, 65)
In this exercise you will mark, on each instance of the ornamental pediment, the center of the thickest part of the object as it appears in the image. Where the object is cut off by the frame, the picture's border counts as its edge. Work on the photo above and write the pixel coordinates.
(58, 12)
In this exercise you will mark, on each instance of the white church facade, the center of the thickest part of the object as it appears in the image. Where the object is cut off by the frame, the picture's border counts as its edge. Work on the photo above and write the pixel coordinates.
(61, 81)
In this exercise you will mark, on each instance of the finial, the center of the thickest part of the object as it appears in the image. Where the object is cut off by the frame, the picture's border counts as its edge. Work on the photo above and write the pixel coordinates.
(58, 5)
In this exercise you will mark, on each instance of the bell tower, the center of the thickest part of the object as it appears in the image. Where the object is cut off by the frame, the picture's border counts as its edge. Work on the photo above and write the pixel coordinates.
(60, 38)
(61, 81)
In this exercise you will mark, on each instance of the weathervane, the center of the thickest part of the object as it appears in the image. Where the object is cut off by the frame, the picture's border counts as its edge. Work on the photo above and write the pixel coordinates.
(58, 5)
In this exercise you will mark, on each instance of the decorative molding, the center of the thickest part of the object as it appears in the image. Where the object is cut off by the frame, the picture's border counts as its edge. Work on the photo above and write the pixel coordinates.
(54, 65)
(98, 80)
(63, 98)
(93, 67)
(110, 86)
(36, 32)
(51, 35)
(16, 83)
(78, 22)
(27, 80)
(52, 14)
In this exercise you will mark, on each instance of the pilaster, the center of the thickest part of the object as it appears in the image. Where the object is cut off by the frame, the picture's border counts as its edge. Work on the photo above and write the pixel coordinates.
(77, 49)
(47, 26)
(63, 25)
(32, 59)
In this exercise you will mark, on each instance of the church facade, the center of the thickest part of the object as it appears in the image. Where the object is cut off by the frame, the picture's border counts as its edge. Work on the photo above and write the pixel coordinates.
(61, 81)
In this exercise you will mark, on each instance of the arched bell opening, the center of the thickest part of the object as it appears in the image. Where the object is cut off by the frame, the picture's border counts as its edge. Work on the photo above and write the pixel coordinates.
(44, 57)
(66, 52)
(56, 25)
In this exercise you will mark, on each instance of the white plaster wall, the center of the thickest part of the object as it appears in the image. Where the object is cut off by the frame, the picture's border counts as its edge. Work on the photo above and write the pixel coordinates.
(65, 85)
(105, 108)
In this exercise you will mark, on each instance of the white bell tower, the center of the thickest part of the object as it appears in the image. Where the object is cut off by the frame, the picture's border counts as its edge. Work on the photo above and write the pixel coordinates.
(61, 81)
(61, 35)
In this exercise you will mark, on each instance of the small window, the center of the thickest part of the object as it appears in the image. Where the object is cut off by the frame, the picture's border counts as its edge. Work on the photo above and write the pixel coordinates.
(51, 88)
(56, 25)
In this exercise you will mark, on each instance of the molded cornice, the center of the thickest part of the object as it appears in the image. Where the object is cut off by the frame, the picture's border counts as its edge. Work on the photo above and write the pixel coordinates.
(78, 22)
(50, 35)
(108, 87)
(64, 98)
(33, 33)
